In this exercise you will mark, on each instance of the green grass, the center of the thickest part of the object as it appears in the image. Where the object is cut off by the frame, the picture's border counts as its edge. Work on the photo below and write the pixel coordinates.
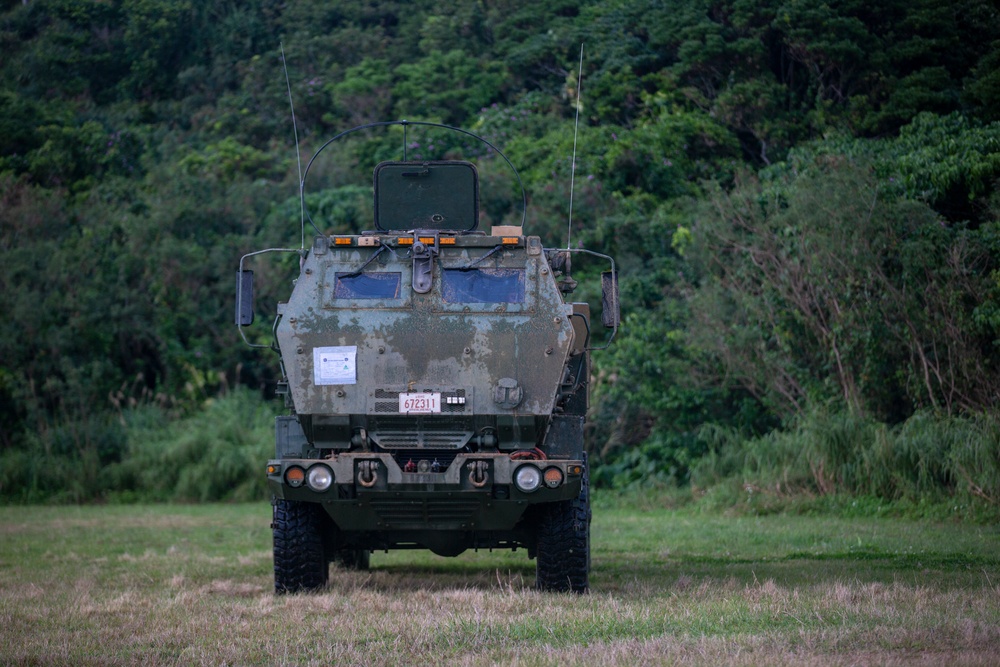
(191, 584)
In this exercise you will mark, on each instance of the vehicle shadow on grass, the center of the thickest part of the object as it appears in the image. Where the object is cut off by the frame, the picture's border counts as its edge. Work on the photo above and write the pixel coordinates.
(638, 578)
(423, 577)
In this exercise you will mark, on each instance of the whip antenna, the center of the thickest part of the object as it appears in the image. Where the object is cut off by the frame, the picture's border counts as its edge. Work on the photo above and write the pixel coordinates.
(298, 155)
(576, 132)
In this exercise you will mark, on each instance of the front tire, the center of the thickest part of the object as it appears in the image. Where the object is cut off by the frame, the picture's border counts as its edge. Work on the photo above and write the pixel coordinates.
(300, 562)
(563, 555)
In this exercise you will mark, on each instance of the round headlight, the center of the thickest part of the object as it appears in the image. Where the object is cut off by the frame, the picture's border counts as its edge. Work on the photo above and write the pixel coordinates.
(319, 478)
(527, 478)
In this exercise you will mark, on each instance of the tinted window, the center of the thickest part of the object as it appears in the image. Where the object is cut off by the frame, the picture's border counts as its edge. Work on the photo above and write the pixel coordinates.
(483, 286)
(367, 286)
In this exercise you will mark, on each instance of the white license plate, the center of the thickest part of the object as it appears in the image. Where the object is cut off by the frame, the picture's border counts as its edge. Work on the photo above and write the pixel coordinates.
(420, 403)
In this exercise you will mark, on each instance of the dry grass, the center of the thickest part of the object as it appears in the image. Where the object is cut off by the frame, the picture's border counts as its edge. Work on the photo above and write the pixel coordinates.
(192, 585)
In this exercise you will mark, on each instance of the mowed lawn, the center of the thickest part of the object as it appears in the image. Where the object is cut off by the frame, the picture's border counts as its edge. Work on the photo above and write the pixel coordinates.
(192, 584)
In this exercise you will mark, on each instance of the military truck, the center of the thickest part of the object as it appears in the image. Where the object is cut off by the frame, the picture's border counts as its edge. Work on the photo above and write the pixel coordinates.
(437, 380)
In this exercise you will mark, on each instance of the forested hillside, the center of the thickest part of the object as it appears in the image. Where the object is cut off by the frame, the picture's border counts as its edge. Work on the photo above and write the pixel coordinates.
(802, 198)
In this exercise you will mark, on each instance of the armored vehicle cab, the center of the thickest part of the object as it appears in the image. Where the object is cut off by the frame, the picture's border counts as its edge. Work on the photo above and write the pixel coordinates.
(437, 381)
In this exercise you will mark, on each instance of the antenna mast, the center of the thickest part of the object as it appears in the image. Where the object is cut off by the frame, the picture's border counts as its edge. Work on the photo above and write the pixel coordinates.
(576, 132)
(298, 155)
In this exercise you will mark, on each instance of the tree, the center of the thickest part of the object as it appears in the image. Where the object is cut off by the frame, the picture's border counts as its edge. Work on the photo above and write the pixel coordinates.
(827, 286)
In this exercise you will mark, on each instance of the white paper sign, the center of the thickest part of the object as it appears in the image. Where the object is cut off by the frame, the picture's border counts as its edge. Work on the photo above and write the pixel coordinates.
(335, 365)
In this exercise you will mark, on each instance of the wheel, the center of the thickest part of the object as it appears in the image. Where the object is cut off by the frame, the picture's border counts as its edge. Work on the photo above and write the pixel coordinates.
(563, 552)
(353, 559)
(300, 562)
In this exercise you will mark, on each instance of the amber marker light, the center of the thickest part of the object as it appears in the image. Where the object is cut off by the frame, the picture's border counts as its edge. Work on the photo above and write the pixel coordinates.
(272, 469)
(509, 240)
(342, 240)
(295, 476)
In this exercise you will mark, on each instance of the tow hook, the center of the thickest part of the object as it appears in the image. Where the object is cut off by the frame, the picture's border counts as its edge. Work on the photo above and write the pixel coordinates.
(367, 473)
(478, 474)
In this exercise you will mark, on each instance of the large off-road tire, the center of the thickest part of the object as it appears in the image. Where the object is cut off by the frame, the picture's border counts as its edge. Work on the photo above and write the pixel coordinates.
(563, 553)
(353, 559)
(300, 562)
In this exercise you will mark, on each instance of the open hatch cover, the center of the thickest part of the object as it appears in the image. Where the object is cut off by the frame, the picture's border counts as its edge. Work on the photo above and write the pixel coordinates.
(438, 195)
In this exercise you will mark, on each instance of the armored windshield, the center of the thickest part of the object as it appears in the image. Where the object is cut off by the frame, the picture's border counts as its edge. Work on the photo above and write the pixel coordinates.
(367, 286)
(482, 285)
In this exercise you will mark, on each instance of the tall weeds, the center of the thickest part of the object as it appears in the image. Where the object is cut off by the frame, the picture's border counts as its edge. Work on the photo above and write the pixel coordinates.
(217, 453)
(928, 457)
(63, 461)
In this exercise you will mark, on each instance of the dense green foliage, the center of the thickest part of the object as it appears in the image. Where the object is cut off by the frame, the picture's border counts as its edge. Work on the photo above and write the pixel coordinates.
(802, 200)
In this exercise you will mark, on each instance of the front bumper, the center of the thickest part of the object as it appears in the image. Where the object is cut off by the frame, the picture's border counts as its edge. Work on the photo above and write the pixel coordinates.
(477, 492)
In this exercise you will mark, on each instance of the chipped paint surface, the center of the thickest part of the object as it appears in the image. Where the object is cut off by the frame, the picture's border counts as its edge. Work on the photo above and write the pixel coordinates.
(421, 341)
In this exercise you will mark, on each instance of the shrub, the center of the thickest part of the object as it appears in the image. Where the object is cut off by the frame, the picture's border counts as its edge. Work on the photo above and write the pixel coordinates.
(215, 454)
(926, 458)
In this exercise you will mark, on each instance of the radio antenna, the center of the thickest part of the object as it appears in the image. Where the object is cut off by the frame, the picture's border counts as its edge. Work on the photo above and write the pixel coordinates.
(576, 132)
(298, 154)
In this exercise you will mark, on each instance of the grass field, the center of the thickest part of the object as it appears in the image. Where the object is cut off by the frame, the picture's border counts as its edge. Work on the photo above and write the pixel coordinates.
(191, 584)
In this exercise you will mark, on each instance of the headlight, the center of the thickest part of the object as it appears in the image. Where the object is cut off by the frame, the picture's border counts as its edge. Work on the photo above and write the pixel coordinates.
(527, 478)
(319, 478)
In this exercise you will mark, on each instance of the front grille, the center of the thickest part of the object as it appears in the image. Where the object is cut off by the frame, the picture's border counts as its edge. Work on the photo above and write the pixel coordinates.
(398, 513)
(420, 432)
(421, 439)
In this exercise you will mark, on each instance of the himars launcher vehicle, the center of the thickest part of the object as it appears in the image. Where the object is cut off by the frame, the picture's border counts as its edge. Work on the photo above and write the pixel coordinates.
(438, 385)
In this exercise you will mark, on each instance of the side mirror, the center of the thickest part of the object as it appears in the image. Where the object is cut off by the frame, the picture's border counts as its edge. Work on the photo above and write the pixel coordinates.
(611, 313)
(244, 298)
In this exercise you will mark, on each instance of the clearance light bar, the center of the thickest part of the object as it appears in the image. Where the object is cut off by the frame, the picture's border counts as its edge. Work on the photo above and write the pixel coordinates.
(427, 240)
